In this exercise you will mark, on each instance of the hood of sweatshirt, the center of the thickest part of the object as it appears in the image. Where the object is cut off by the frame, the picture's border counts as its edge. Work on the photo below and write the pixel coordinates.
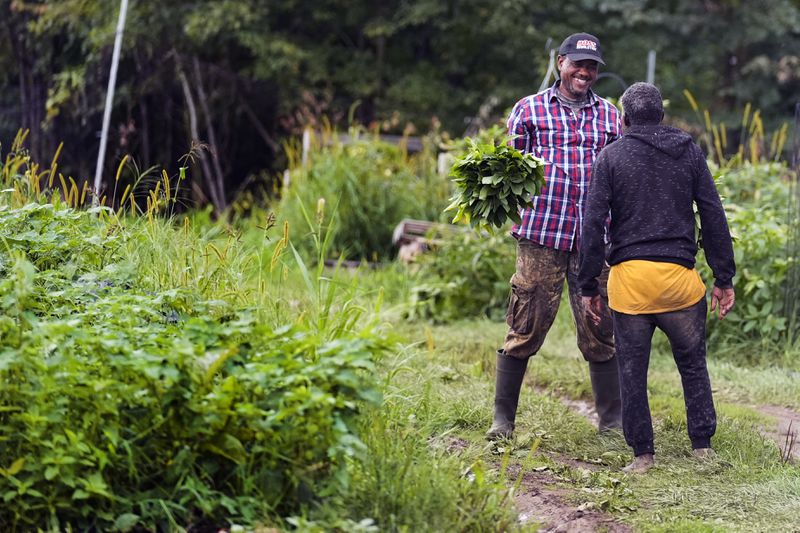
(671, 141)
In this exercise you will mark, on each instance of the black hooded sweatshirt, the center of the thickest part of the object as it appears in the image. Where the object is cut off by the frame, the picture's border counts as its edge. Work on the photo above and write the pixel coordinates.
(649, 179)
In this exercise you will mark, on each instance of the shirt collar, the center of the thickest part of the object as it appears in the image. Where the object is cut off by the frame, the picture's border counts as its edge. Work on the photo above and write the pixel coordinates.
(551, 95)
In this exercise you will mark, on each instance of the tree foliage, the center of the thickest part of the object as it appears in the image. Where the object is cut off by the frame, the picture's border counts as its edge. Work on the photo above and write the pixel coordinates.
(240, 75)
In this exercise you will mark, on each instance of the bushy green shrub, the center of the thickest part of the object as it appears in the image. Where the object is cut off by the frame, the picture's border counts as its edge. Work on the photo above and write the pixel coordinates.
(124, 407)
(466, 275)
(756, 199)
(361, 191)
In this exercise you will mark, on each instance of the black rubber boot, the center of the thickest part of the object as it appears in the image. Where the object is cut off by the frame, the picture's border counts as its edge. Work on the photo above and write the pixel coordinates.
(510, 373)
(605, 386)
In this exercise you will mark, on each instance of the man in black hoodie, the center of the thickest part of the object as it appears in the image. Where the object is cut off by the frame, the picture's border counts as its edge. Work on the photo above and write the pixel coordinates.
(649, 181)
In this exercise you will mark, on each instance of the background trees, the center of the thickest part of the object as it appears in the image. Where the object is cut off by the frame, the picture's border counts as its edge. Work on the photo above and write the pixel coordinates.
(252, 72)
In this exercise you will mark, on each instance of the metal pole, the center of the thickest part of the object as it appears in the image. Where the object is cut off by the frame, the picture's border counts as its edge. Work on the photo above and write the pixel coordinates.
(112, 82)
(551, 70)
(792, 285)
(651, 66)
(615, 77)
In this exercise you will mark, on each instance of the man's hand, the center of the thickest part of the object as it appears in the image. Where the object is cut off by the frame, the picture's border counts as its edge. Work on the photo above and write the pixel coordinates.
(724, 298)
(594, 307)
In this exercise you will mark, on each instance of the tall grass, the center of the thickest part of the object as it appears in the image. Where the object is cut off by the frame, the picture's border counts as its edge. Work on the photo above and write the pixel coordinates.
(754, 144)
(249, 368)
(367, 185)
(250, 320)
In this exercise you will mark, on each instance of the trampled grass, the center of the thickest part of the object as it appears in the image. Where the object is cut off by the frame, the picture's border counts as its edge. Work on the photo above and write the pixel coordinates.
(746, 488)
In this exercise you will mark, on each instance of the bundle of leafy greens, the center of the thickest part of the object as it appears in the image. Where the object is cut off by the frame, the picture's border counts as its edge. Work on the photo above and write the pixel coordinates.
(493, 182)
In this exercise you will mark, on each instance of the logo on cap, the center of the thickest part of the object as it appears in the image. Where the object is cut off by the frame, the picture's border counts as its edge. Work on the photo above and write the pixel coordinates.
(586, 44)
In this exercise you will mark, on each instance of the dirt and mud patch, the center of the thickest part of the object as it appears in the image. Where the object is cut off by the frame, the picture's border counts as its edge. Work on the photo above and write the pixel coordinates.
(583, 408)
(451, 444)
(539, 500)
(575, 464)
(784, 432)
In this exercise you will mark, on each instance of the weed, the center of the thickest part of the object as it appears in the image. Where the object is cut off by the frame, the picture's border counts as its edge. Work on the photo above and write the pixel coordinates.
(142, 386)
(369, 185)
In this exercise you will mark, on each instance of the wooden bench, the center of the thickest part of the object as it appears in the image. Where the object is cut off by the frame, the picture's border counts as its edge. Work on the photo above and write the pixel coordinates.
(412, 237)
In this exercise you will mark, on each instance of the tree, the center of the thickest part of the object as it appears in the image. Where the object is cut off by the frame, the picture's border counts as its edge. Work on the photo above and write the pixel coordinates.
(237, 76)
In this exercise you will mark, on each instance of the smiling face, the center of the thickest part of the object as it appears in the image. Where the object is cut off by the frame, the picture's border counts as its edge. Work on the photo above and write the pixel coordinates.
(577, 77)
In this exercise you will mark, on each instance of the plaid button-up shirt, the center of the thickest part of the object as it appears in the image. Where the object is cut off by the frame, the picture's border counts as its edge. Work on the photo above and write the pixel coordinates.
(569, 143)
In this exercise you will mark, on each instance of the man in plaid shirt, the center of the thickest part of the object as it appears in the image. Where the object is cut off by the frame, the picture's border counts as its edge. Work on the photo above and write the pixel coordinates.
(566, 125)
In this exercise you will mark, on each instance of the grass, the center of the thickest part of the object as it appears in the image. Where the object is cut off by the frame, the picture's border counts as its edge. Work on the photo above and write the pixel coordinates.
(426, 466)
(448, 371)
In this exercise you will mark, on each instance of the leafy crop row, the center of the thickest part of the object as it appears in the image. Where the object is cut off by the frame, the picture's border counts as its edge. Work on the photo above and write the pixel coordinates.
(124, 406)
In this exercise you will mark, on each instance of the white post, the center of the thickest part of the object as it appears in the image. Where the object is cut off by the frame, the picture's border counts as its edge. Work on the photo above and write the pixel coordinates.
(306, 146)
(651, 67)
(112, 82)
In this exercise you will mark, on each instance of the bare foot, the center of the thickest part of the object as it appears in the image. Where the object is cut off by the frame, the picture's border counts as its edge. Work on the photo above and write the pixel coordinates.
(641, 464)
(500, 431)
(704, 453)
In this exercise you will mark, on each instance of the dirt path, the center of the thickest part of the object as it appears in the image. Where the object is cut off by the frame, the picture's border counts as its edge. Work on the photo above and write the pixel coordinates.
(582, 407)
(785, 430)
(540, 501)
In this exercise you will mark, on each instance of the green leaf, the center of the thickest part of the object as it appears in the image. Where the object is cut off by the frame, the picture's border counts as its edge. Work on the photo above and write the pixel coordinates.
(50, 472)
(80, 494)
(229, 447)
(126, 522)
(16, 466)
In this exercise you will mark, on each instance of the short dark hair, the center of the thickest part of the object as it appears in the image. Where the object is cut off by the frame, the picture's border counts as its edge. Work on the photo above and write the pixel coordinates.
(642, 104)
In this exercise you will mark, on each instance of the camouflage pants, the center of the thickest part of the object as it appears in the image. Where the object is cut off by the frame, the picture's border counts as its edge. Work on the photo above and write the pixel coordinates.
(536, 289)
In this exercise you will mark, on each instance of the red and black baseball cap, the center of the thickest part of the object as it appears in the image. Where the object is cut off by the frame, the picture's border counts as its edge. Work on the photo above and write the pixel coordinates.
(580, 46)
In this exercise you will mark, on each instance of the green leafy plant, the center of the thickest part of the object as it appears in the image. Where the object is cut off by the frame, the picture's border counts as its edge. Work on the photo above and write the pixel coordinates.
(136, 416)
(754, 196)
(366, 186)
(138, 397)
(494, 181)
(465, 275)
